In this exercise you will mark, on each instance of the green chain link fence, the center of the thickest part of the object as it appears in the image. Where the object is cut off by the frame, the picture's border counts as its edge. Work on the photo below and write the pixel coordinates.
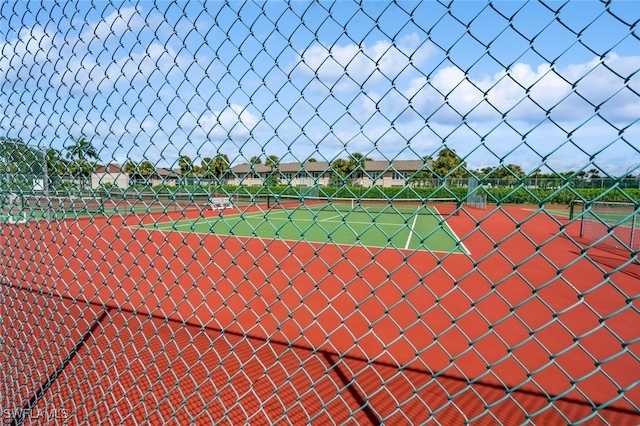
(329, 213)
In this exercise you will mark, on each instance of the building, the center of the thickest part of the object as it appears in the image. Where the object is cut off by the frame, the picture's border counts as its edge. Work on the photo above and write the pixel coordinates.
(114, 174)
(111, 174)
(397, 173)
(308, 174)
(247, 175)
(390, 174)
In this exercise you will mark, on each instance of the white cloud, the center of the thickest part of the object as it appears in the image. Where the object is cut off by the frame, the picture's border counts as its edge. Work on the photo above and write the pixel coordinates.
(155, 65)
(150, 66)
(115, 25)
(30, 49)
(234, 122)
(351, 66)
(84, 62)
(526, 94)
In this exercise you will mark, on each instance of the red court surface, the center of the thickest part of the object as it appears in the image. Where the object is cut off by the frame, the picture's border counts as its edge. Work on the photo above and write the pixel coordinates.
(106, 321)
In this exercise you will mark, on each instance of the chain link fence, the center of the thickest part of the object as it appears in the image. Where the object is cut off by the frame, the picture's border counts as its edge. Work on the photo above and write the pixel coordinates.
(238, 212)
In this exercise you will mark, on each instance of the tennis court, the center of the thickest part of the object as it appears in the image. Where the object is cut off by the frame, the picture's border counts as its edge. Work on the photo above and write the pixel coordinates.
(403, 224)
(187, 318)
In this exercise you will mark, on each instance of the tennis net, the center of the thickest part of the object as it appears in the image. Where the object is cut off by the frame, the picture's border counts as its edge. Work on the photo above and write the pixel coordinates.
(43, 207)
(149, 202)
(250, 199)
(372, 206)
(614, 224)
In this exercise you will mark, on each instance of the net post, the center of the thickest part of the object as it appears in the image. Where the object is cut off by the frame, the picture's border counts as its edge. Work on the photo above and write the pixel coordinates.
(582, 219)
(633, 231)
(571, 207)
(101, 210)
(45, 182)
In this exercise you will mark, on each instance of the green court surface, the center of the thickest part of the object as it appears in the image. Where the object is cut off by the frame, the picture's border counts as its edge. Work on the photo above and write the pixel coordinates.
(7, 217)
(555, 212)
(613, 218)
(418, 231)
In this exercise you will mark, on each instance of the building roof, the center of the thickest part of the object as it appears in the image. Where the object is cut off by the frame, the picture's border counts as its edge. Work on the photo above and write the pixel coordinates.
(399, 165)
(113, 168)
(376, 166)
(313, 166)
(317, 166)
(321, 166)
(110, 168)
(289, 167)
(164, 172)
(410, 165)
(245, 168)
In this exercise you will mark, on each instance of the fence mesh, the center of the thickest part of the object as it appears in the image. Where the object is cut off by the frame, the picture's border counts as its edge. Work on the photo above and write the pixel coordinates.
(152, 269)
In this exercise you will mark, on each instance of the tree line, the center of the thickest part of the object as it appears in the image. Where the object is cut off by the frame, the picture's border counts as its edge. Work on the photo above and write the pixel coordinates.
(79, 160)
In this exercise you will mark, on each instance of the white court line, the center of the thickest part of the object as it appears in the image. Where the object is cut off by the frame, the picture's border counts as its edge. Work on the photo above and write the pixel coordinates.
(171, 225)
(453, 233)
(271, 216)
(466, 250)
(413, 225)
(328, 219)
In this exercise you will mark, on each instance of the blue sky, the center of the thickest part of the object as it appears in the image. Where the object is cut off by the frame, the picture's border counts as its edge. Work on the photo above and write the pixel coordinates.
(553, 84)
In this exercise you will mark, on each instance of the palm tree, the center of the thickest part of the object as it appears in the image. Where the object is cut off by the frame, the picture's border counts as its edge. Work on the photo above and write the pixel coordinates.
(273, 179)
(594, 173)
(130, 167)
(341, 169)
(79, 151)
(206, 167)
(220, 165)
(449, 164)
(55, 163)
(354, 166)
(186, 166)
(272, 161)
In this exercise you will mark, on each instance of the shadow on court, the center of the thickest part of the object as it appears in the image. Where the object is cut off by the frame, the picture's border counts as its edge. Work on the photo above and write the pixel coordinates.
(67, 361)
